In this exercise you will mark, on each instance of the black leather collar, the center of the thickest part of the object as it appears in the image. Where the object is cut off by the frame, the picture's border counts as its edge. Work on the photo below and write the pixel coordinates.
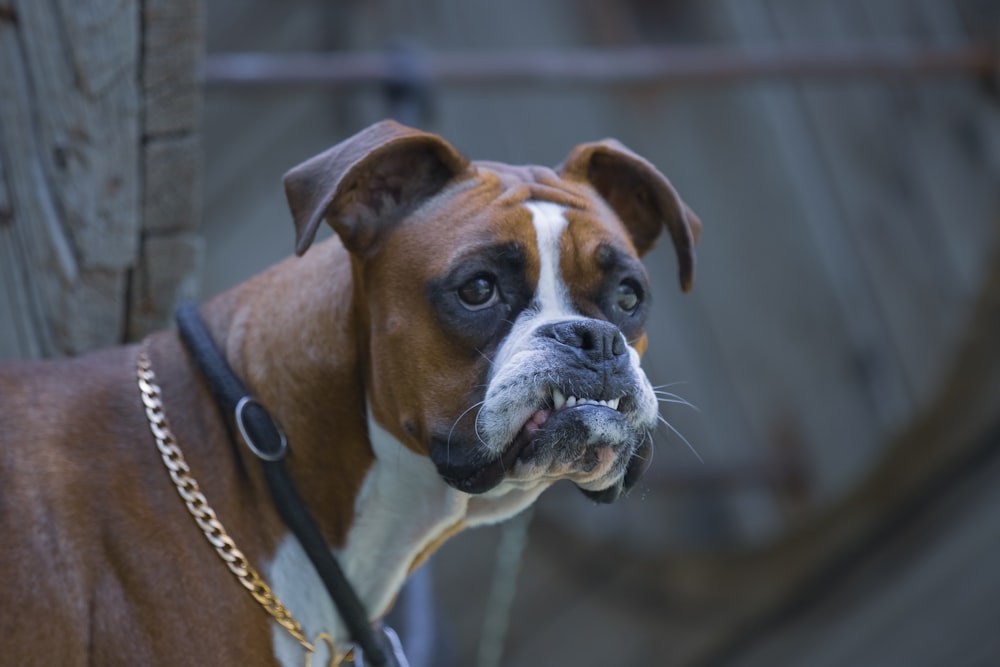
(265, 439)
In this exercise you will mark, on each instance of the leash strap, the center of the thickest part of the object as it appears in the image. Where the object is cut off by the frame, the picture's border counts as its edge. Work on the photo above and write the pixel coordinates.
(266, 440)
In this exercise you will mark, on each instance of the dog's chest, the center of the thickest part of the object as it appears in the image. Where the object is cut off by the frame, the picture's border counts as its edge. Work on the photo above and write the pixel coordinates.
(404, 509)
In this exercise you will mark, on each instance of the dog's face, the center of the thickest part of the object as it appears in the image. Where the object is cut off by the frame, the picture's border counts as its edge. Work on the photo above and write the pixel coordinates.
(566, 397)
(506, 309)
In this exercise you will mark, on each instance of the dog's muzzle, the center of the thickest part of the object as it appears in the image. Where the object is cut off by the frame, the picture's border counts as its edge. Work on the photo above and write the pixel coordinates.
(567, 401)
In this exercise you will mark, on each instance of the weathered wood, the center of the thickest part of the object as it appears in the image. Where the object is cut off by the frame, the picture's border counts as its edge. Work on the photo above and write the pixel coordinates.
(98, 141)
(951, 140)
(16, 341)
(171, 199)
(168, 275)
(876, 167)
(70, 140)
(173, 33)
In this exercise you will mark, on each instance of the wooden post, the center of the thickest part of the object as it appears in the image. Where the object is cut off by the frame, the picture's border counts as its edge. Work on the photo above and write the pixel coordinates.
(99, 170)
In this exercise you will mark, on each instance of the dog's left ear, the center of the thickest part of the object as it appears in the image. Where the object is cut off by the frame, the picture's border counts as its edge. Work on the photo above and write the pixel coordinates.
(367, 182)
(640, 195)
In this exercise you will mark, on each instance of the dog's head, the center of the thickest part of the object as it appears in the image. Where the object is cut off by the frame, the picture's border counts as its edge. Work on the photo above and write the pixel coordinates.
(504, 307)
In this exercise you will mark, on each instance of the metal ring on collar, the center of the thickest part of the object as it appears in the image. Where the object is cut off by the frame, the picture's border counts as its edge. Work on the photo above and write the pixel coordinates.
(241, 425)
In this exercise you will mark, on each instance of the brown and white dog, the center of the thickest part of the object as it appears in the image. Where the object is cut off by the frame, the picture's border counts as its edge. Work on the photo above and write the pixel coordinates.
(470, 335)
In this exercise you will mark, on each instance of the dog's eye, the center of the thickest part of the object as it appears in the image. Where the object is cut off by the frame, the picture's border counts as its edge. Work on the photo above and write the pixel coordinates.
(478, 293)
(627, 296)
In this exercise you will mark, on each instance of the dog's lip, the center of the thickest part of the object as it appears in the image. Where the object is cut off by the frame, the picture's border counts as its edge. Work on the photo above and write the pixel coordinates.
(525, 437)
(476, 479)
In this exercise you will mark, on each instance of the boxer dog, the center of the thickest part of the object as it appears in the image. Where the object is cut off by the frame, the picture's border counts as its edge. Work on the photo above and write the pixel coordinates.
(469, 335)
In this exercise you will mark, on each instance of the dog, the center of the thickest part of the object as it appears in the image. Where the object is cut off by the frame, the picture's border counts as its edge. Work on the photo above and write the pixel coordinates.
(470, 334)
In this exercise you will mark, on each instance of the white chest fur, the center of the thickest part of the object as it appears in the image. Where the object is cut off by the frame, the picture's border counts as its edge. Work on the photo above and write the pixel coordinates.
(403, 507)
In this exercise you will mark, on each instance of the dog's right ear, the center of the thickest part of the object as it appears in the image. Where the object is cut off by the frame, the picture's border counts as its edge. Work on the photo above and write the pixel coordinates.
(366, 183)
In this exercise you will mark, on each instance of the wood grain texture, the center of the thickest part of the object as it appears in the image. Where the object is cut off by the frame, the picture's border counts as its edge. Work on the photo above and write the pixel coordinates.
(167, 275)
(80, 85)
(171, 254)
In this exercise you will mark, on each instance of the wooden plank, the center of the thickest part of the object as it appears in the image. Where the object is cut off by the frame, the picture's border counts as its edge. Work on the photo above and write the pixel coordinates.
(167, 276)
(69, 135)
(41, 243)
(781, 327)
(107, 131)
(951, 132)
(871, 161)
(172, 175)
(29, 193)
(91, 312)
(87, 129)
(173, 45)
(173, 32)
(15, 339)
(820, 210)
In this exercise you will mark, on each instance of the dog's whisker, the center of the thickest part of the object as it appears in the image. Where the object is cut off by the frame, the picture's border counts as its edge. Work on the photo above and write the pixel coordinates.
(475, 427)
(681, 436)
(455, 424)
(677, 400)
(649, 436)
(483, 355)
(658, 387)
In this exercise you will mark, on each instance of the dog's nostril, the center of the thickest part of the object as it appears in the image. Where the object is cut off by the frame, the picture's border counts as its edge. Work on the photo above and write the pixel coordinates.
(618, 345)
(593, 337)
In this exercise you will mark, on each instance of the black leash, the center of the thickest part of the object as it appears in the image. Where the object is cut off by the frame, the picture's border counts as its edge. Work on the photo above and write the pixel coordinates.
(268, 443)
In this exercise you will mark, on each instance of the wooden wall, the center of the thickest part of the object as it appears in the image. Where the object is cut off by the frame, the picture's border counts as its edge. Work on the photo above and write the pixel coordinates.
(100, 170)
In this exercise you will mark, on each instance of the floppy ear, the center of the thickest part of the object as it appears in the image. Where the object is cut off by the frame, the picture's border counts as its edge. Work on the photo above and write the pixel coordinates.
(366, 183)
(641, 196)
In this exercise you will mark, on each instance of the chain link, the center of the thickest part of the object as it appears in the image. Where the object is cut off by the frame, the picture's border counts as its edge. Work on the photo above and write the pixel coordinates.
(203, 514)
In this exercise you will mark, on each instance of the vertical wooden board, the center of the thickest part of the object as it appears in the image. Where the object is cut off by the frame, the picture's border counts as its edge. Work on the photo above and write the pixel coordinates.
(18, 339)
(779, 323)
(171, 163)
(952, 130)
(101, 40)
(71, 128)
(13, 344)
(35, 231)
(870, 161)
(166, 276)
(172, 53)
(91, 313)
(15, 339)
(821, 213)
(87, 127)
(172, 178)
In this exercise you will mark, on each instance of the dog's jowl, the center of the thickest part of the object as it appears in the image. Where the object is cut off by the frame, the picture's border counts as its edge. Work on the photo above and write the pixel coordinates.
(469, 335)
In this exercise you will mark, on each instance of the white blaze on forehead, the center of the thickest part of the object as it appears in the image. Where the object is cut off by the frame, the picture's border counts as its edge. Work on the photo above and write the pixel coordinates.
(551, 301)
(550, 222)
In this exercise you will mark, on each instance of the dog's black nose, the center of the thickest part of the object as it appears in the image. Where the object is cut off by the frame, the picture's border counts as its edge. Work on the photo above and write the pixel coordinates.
(595, 340)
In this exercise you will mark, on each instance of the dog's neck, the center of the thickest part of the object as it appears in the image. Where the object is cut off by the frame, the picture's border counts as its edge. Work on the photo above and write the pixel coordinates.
(382, 507)
(307, 372)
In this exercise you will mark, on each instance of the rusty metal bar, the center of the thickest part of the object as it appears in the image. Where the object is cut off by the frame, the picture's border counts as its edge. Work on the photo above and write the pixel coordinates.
(609, 67)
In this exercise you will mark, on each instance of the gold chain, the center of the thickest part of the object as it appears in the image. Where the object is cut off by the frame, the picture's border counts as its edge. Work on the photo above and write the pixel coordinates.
(205, 516)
